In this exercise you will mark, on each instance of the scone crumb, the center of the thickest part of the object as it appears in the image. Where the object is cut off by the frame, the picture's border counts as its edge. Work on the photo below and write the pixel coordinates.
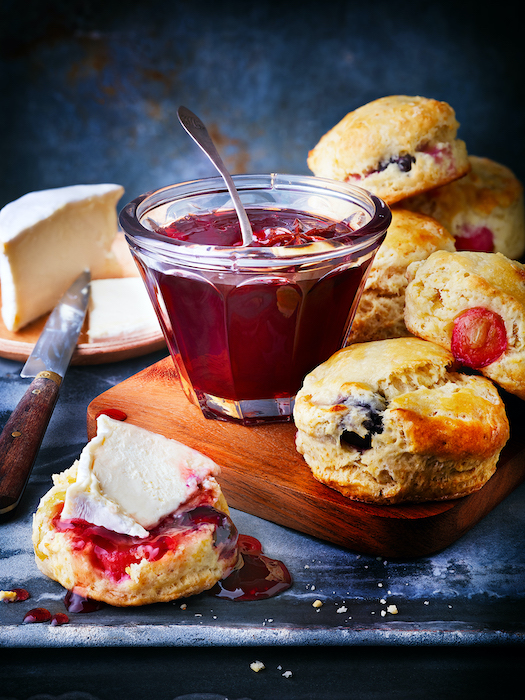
(257, 666)
(317, 603)
(8, 596)
(342, 609)
(287, 674)
(392, 609)
(183, 606)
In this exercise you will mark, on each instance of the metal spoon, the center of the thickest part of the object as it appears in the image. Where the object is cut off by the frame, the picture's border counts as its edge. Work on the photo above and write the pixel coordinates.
(200, 135)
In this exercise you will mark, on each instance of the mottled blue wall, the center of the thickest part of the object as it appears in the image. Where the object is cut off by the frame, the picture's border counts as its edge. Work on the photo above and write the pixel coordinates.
(90, 89)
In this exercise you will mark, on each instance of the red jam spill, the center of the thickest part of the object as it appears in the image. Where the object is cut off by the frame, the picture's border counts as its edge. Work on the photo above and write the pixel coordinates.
(59, 619)
(270, 229)
(479, 337)
(20, 593)
(257, 579)
(37, 615)
(78, 604)
(114, 413)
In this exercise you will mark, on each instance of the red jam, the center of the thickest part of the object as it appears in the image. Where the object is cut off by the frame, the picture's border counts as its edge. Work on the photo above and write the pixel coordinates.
(37, 615)
(258, 578)
(257, 336)
(479, 337)
(113, 552)
(59, 619)
(478, 238)
(270, 229)
(114, 413)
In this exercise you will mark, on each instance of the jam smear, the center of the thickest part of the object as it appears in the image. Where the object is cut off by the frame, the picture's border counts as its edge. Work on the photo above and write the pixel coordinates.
(479, 337)
(114, 413)
(37, 615)
(258, 578)
(114, 552)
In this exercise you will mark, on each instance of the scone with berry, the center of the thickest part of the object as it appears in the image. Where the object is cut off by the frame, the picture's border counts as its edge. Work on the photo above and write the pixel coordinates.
(483, 210)
(390, 421)
(411, 236)
(137, 519)
(472, 304)
(394, 147)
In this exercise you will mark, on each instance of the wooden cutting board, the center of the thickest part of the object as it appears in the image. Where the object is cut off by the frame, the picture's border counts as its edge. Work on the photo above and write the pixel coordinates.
(263, 474)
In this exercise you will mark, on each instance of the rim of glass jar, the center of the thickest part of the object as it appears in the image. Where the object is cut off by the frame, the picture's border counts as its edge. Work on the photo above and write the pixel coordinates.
(157, 243)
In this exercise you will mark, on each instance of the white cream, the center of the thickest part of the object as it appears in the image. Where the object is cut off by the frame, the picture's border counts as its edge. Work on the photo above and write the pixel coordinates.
(47, 238)
(120, 308)
(128, 478)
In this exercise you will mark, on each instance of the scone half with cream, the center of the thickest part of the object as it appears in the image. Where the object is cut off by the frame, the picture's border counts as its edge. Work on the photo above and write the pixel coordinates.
(389, 421)
(137, 519)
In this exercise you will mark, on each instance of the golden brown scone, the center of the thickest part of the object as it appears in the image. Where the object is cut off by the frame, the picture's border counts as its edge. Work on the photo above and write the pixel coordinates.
(389, 422)
(182, 553)
(474, 304)
(395, 147)
(483, 210)
(410, 237)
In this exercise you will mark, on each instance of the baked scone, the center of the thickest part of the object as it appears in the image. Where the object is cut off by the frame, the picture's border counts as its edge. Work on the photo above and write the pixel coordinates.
(410, 237)
(137, 519)
(394, 147)
(483, 210)
(474, 305)
(389, 422)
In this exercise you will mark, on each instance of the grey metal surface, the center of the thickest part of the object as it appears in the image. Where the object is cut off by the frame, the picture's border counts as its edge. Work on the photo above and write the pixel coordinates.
(472, 593)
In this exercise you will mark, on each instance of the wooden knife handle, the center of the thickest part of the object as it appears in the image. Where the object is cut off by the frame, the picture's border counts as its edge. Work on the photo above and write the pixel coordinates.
(21, 438)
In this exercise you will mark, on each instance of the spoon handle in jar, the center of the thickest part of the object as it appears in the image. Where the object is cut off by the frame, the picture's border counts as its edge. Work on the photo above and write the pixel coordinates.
(196, 129)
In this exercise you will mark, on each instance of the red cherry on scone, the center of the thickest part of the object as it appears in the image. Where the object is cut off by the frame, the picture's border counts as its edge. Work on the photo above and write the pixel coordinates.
(478, 338)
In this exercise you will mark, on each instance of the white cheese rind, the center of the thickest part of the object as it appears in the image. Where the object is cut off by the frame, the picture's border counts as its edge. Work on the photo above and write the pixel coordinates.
(47, 238)
(120, 308)
(129, 479)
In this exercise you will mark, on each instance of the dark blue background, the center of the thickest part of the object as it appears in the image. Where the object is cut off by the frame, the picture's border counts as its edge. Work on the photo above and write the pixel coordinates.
(90, 89)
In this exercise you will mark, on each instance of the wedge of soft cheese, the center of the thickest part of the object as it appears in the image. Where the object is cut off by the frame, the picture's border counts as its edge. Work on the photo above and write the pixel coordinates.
(47, 238)
(129, 479)
(120, 308)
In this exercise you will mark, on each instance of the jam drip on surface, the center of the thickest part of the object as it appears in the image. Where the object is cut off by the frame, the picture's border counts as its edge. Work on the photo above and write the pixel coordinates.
(258, 578)
(114, 552)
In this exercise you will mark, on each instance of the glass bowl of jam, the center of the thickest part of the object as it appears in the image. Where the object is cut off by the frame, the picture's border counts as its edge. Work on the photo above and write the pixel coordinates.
(245, 324)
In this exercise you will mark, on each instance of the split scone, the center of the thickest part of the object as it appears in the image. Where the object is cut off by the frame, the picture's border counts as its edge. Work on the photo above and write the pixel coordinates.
(411, 236)
(137, 519)
(389, 422)
(474, 305)
(394, 147)
(483, 210)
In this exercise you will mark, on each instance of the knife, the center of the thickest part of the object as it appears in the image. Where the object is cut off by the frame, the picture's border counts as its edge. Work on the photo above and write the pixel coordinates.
(22, 435)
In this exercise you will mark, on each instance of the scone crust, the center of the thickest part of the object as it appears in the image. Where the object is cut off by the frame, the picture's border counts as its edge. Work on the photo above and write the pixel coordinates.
(193, 567)
(489, 196)
(441, 433)
(446, 284)
(358, 147)
(411, 236)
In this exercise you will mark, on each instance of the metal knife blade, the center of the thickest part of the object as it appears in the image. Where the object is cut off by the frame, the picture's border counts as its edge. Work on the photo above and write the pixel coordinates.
(23, 433)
